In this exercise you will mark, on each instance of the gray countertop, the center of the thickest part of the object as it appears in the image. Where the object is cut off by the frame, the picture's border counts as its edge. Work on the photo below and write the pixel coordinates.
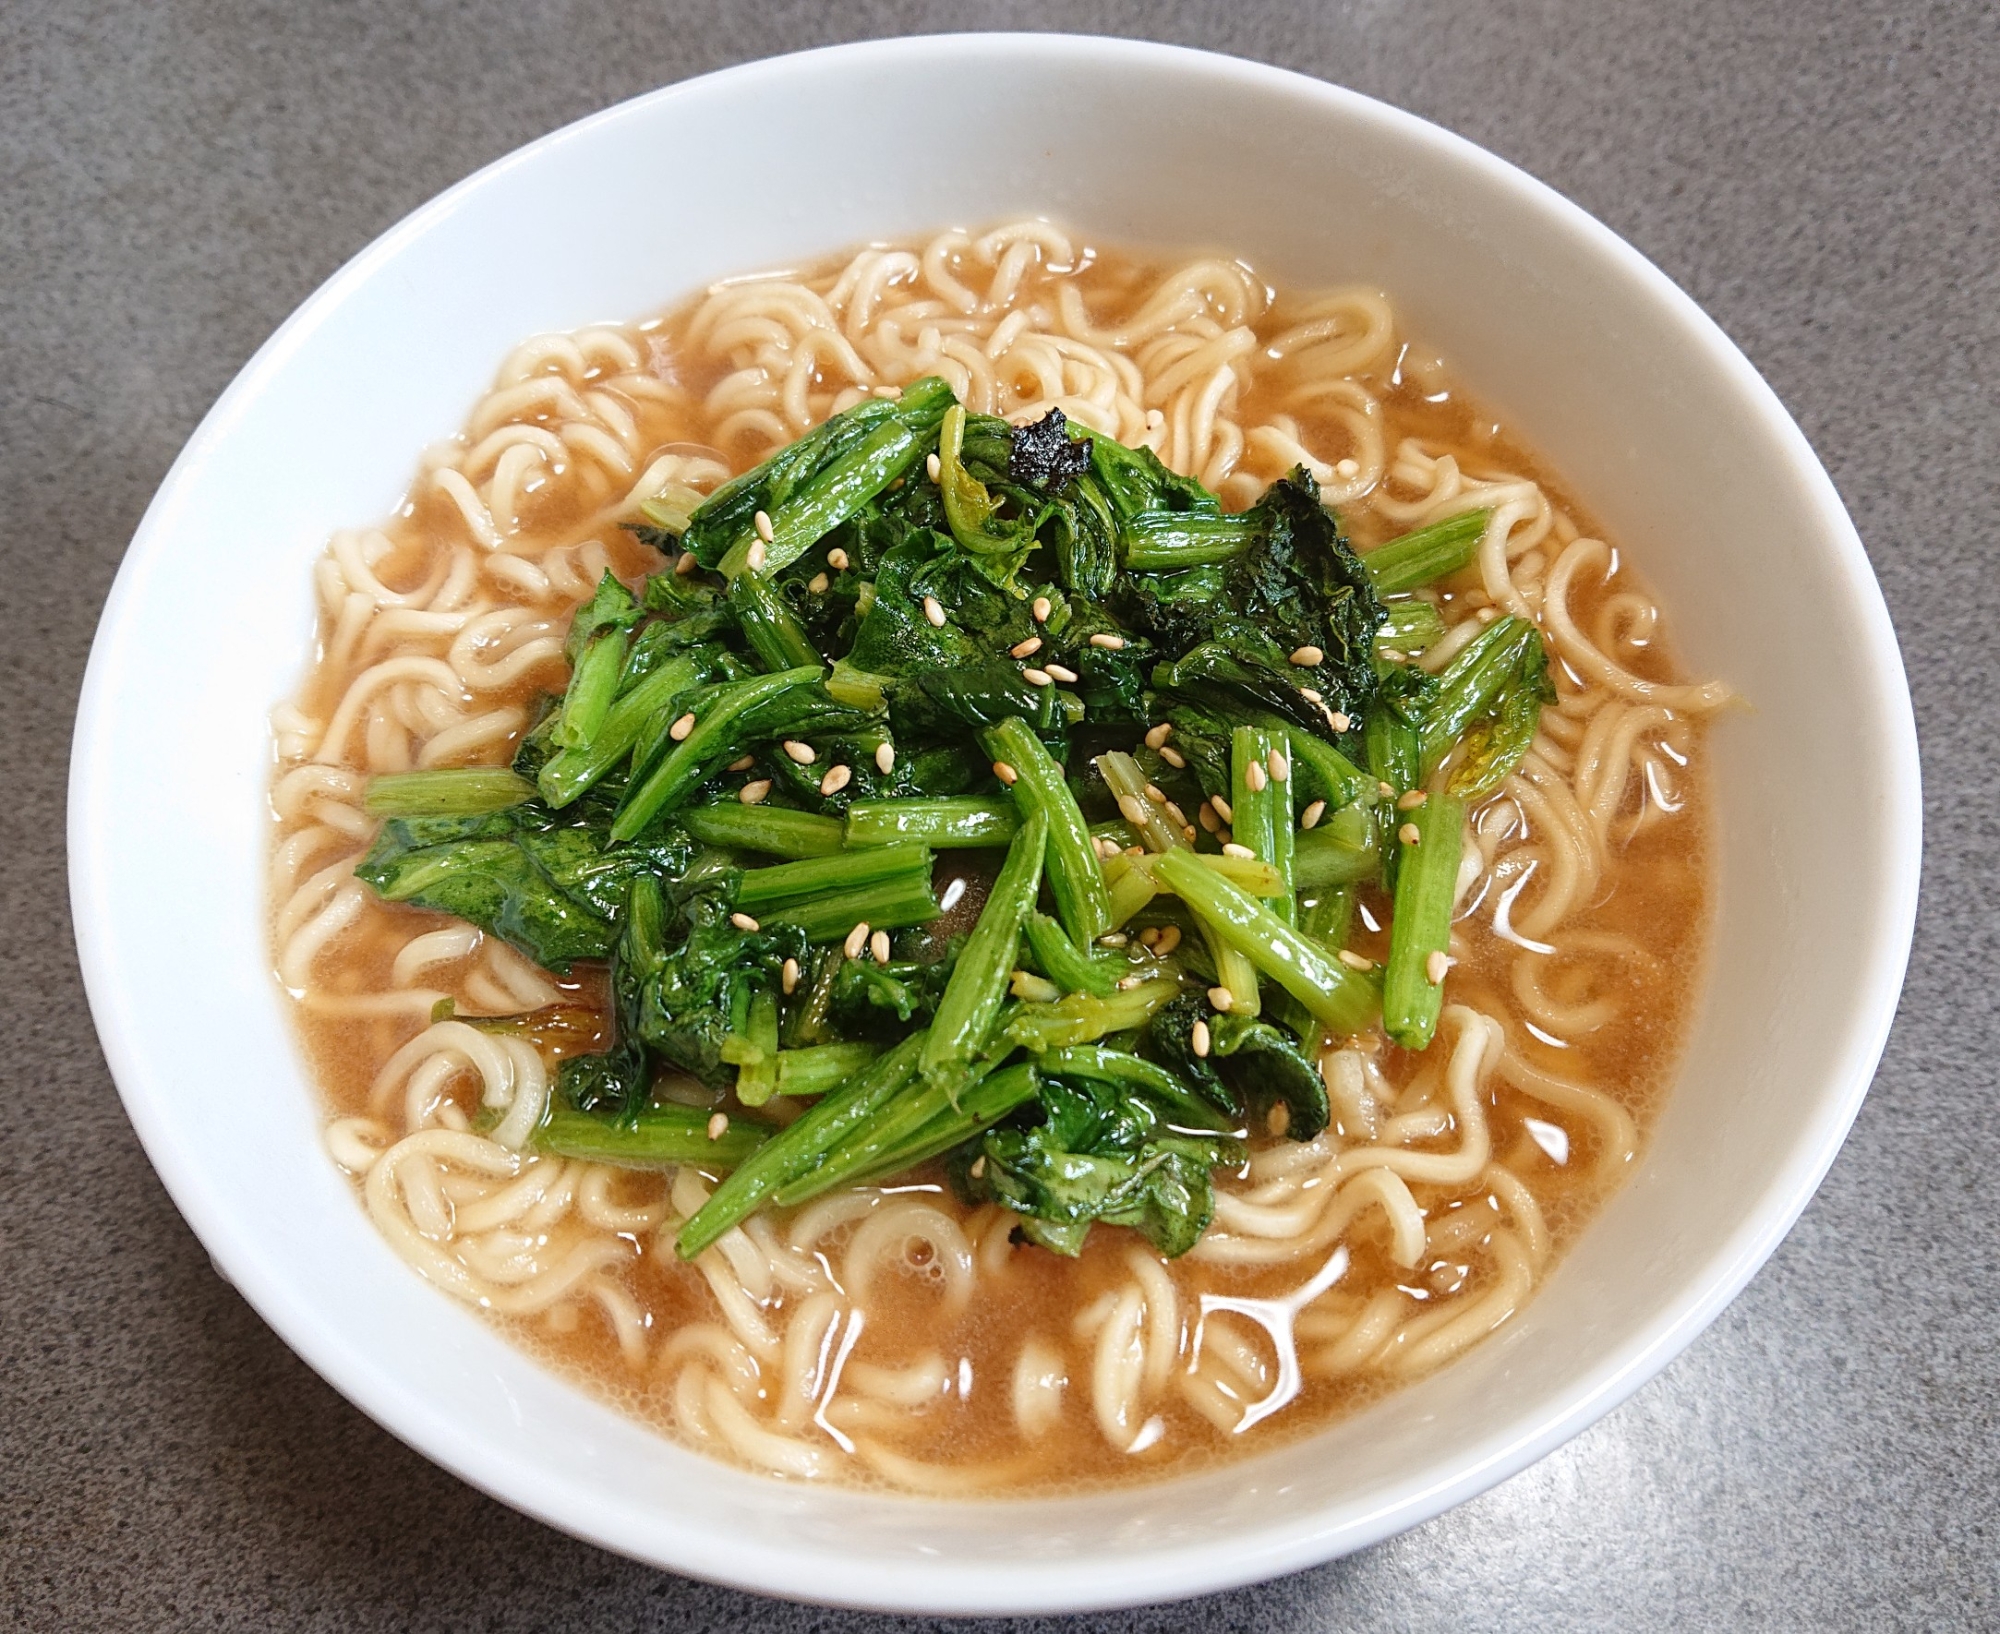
(176, 176)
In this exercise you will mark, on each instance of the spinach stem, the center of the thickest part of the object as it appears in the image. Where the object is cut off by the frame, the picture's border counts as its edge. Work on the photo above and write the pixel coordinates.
(1429, 553)
(661, 1136)
(1261, 799)
(1040, 789)
(1164, 541)
(978, 984)
(1420, 933)
(771, 627)
(770, 829)
(787, 882)
(1082, 1017)
(709, 743)
(459, 791)
(1342, 848)
(1064, 963)
(800, 1146)
(566, 776)
(819, 1068)
(950, 823)
(1344, 999)
(893, 903)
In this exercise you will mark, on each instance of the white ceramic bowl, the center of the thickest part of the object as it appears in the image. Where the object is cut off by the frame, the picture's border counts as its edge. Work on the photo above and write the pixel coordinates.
(1633, 395)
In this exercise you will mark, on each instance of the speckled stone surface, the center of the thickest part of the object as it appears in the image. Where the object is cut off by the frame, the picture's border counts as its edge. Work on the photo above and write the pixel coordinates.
(176, 176)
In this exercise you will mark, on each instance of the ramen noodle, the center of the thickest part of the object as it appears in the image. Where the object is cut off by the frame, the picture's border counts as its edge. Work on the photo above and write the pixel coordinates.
(917, 1329)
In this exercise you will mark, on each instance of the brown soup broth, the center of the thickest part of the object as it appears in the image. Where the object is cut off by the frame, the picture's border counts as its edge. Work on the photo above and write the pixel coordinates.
(1653, 890)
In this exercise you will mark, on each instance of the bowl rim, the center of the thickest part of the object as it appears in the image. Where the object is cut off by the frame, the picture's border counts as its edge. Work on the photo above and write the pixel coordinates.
(1044, 1585)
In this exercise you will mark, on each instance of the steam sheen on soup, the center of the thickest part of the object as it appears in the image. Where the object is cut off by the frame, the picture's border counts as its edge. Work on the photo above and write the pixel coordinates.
(917, 1329)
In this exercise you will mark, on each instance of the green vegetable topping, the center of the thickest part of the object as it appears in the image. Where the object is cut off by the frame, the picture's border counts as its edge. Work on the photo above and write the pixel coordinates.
(978, 793)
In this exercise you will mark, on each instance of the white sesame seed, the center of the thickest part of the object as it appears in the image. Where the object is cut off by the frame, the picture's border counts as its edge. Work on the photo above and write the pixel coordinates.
(1386, 790)
(836, 779)
(788, 978)
(1173, 757)
(755, 556)
(1206, 813)
(978, 1163)
(885, 758)
(934, 611)
(1113, 938)
(1179, 816)
(762, 523)
(1135, 850)
(1222, 999)
(1411, 799)
(1159, 734)
(1281, 768)
(933, 467)
(887, 391)
(1156, 794)
(819, 584)
(1125, 984)
(1278, 1119)
(1391, 655)
(1347, 470)
(1232, 849)
(1025, 649)
(1004, 772)
(686, 562)
(718, 1126)
(1312, 695)
(1198, 1037)
(1170, 938)
(857, 939)
(1355, 961)
(1307, 656)
(804, 753)
(742, 763)
(1061, 672)
(1254, 778)
(1222, 808)
(1187, 831)
(1041, 609)
(1486, 615)
(878, 946)
(742, 921)
(681, 728)
(1038, 677)
(1409, 834)
(1149, 936)
(1131, 810)
(1436, 965)
(1105, 848)
(1110, 643)
(753, 793)
(1309, 818)
(1338, 721)
(837, 559)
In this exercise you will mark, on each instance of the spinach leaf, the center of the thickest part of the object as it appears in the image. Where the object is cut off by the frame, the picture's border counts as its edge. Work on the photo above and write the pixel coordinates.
(809, 487)
(1119, 1140)
(477, 869)
(694, 979)
(1249, 1068)
(1296, 610)
(1161, 1190)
